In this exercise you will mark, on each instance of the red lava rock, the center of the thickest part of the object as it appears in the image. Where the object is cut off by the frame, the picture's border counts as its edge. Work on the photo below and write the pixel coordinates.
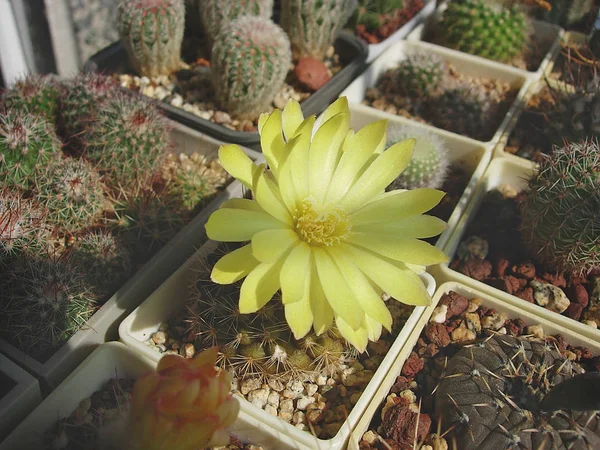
(515, 327)
(477, 269)
(578, 294)
(557, 279)
(560, 342)
(437, 334)
(425, 350)
(524, 270)
(413, 365)
(453, 325)
(574, 311)
(484, 311)
(582, 352)
(400, 424)
(525, 294)
(402, 383)
(311, 73)
(500, 267)
(456, 303)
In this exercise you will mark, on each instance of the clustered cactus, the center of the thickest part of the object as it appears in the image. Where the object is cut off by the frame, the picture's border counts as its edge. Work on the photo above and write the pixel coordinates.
(560, 220)
(215, 14)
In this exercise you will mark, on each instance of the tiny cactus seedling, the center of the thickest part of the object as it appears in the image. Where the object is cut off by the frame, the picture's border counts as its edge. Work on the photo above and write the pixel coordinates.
(34, 95)
(152, 33)
(216, 14)
(560, 220)
(27, 144)
(484, 28)
(313, 25)
(420, 74)
(250, 60)
(72, 192)
(429, 164)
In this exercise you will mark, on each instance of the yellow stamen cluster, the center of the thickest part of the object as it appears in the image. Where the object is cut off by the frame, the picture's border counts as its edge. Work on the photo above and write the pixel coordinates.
(321, 226)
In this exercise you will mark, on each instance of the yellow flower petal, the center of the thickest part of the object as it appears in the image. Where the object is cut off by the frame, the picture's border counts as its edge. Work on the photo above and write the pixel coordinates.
(408, 227)
(298, 159)
(320, 307)
(237, 225)
(358, 338)
(234, 266)
(237, 163)
(340, 106)
(395, 205)
(299, 145)
(404, 286)
(373, 328)
(336, 290)
(291, 118)
(269, 245)
(306, 126)
(379, 175)
(259, 286)
(292, 285)
(262, 120)
(299, 316)
(271, 141)
(242, 203)
(407, 250)
(269, 198)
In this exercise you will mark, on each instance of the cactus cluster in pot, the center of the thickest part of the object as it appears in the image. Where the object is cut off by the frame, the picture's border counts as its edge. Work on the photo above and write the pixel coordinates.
(75, 157)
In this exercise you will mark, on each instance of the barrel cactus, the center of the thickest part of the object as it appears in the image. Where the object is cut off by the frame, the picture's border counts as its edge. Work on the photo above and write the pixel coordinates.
(484, 28)
(36, 95)
(250, 60)
(152, 33)
(560, 220)
(313, 25)
(215, 14)
(420, 74)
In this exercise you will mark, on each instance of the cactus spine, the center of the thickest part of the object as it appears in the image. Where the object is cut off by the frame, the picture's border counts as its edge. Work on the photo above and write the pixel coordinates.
(560, 220)
(420, 74)
(313, 25)
(35, 95)
(216, 14)
(152, 32)
(250, 60)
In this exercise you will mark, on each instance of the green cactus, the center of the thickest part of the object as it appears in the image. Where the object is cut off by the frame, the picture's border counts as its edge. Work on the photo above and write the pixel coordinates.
(152, 33)
(420, 74)
(215, 14)
(560, 220)
(35, 95)
(127, 140)
(250, 60)
(429, 164)
(27, 144)
(371, 13)
(72, 192)
(104, 260)
(313, 25)
(566, 13)
(484, 28)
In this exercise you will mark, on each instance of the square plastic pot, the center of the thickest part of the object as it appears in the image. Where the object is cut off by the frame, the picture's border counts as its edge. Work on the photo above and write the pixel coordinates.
(106, 362)
(468, 64)
(103, 325)
(171, 297)
(541, 317)
(466, 153)
(515, 172)
(352, 52)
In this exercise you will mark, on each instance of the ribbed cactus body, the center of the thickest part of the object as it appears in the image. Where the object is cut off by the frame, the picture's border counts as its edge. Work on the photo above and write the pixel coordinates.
(250, 60)
(215, 14)
(313, 25)
(560, 211)
(27, 144)
(36, 95)
(152, 32)
(420, 74)
(484, 28)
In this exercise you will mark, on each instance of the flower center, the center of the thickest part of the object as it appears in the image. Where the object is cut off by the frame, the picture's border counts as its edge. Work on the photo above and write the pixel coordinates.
(321, 226)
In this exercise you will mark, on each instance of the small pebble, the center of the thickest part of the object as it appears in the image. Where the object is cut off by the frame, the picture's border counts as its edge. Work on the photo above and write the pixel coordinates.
(160, 337)
(189, 350)
(439, 314)
(535, 330)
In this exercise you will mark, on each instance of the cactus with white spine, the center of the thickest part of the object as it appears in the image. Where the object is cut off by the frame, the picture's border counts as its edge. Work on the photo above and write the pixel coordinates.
(215, 14)
(34, 94)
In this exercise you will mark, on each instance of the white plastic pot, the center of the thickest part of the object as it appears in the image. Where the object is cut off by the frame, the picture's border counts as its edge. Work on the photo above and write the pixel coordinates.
(464, 152)
(20, 400)
(515, 172)
(171, 297)
(109, 361)
(103, 325)
(468, 64)
(541, 317)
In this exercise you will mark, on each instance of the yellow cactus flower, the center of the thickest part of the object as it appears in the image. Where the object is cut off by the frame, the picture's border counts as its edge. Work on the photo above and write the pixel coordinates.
(184, 405)
(321, 227)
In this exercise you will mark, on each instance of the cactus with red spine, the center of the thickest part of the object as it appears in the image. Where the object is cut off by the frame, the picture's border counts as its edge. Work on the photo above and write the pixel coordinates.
(35, 95)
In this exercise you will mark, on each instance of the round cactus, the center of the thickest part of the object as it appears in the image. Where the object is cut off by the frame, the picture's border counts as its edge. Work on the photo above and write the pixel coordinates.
(429, 164)
(313, 25)
(72, 192)
(152, 33)
(127, 140)
(35, 95)
(420, 74)
(560, 220)
(27, 144)
(484, 28)
(250, 60)
(215, 14)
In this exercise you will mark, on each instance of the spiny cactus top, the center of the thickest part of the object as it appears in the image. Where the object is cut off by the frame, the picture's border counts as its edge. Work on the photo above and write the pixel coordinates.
(152, 32)
(420, 74)
(313, 25)
(560, 211)
(215, 14)
(36, 95)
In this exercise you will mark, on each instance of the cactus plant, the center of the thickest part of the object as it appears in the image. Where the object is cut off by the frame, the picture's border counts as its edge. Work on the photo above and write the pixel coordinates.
(152, 33)
(370, 13)
(429, 164)
(216, 14)
(250, 60)
(420, 74)
(27, 144)
(560, 220)
(35, 95)
(484, 28)
(72, 192)
(313, 25)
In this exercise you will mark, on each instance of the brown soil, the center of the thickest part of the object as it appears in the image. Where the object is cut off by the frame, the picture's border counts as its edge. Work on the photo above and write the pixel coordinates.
(575, 64)
(390, 23)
